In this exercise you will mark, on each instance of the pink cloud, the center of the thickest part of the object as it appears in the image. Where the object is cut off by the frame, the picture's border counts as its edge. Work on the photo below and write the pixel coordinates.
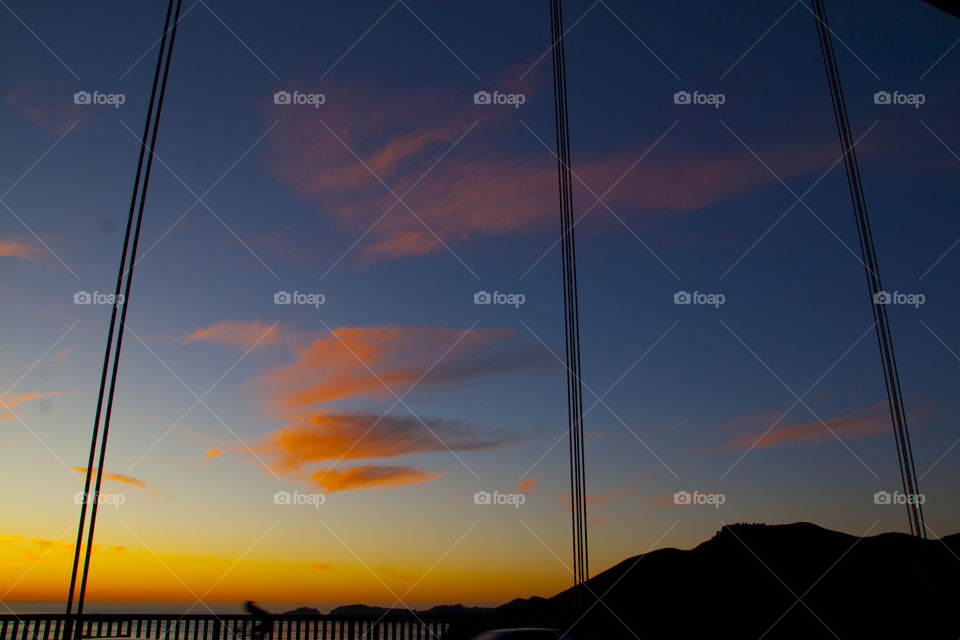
(481, 190)
(869, 421)
(13, 249)
(57, 117)
(236, 333)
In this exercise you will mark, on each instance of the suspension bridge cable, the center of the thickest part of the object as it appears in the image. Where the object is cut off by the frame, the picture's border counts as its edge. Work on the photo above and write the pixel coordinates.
(891, 374)
(137, 201)
(570, 303)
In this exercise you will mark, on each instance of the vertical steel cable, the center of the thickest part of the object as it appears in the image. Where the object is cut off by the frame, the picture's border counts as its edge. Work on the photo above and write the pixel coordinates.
(891, 374)
(137, 201)
(570, 303)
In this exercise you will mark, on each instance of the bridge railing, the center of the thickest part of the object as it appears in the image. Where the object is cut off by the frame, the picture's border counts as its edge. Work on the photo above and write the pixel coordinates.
(221, 627)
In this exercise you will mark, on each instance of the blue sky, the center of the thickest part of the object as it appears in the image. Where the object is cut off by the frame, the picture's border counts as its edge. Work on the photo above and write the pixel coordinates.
(249, 198)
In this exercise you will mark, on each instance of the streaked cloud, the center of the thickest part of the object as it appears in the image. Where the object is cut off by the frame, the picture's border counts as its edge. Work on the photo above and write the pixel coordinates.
(370, 362)
(359, 436)
(527, 485)
(369, 477)
(236, 334)
(56, 116)
(10, 401)
(481, 189)
(869, 421)
(121, 478)
(10, 248)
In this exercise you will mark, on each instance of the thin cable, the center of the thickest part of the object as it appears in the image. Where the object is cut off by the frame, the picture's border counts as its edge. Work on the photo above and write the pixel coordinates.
(108, 349)
(891, 374)
(172, 31)
(570, 303)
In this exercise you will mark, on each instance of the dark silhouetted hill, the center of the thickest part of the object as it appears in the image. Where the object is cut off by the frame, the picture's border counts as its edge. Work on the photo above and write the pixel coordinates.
(302, 611)
(772, 581)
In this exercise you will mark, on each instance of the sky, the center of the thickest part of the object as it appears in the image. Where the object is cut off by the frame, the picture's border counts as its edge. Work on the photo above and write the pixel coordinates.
(345, 329)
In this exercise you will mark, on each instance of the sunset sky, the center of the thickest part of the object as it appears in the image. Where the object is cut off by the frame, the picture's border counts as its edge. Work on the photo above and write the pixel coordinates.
(398, 199)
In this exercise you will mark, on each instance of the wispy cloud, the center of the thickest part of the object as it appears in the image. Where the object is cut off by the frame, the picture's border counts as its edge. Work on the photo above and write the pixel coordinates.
(10, 401)
(116, 477)
(527, 485)
(869, 421)
(337, 365)
(10, 248)
(236, 334)
(369, 477)
(357, 436)
(482, 189)
(369, 365)
(56, 116)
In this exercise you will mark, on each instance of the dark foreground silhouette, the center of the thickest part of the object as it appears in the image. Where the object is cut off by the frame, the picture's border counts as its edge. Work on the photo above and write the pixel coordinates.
(262, 620)
(750, 581)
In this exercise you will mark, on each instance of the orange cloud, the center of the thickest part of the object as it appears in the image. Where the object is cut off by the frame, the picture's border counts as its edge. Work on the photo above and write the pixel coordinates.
(10, 401)
(349, 436)
(358, 364)
(369, 477)
(319, 566)
(482, 189)
(213, 453)
(870, 421)
(13, 249)
(352, 362)
(116, 477)
(527, 485)
(236, 334)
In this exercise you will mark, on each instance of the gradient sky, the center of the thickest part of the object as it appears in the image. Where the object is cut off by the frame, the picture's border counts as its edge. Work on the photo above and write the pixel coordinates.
(249, 198)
